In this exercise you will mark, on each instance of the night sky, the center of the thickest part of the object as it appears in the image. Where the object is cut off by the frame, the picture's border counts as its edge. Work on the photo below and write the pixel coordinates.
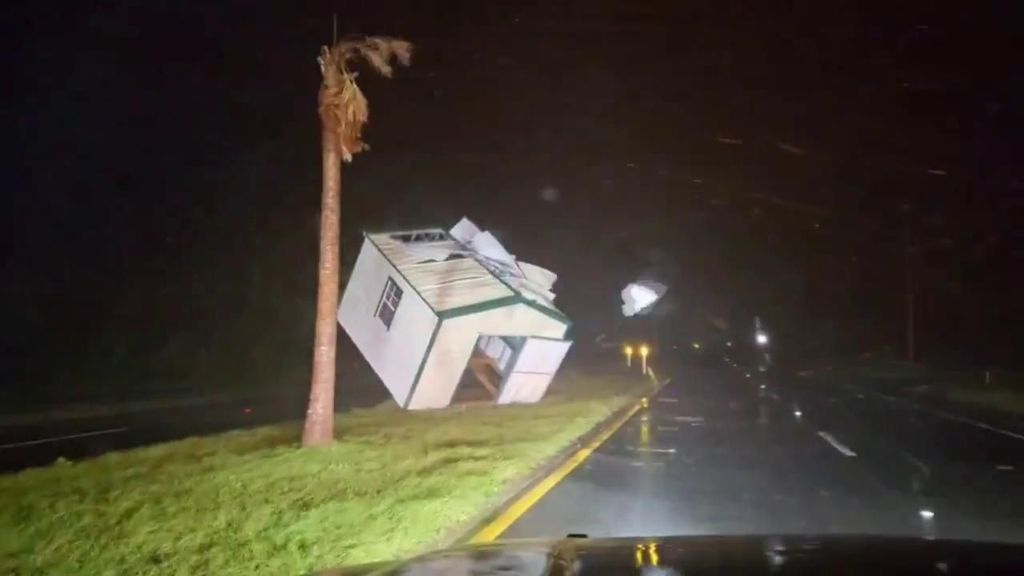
(163, 183)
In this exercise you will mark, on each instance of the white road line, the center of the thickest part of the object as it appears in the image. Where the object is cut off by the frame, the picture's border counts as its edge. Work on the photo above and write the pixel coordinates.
(949, 416)
(1004, 467)
(982, 425)
(661, 450)
(59, 438)
(845, 451)
(668, 399)
(920, 465)
(688, 418)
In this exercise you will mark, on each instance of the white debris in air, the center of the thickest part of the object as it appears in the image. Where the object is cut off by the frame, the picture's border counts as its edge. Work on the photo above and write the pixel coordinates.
(550, 194)
(532, 281)
(790, 148)
(639, 297)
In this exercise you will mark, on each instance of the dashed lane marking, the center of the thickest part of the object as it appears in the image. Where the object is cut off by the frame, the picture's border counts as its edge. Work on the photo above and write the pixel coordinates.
(949, 416)
(688, 418)
(842, 448)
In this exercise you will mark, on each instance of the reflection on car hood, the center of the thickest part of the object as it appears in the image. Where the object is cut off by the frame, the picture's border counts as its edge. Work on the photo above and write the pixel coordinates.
(713, 555)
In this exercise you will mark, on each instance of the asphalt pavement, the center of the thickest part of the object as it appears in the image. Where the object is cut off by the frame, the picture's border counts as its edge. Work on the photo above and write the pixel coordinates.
(718, 452)
(42, 443)
(39, 443)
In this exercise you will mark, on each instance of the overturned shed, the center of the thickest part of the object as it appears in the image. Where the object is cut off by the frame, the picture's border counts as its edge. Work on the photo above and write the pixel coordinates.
(431, 308)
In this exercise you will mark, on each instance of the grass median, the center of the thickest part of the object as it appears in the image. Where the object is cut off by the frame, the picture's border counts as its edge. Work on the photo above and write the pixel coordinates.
(253, 502)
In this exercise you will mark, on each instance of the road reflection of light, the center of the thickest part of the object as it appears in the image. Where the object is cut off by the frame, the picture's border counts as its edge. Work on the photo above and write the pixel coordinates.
(775, 550)
(927, 523)
(651, 567)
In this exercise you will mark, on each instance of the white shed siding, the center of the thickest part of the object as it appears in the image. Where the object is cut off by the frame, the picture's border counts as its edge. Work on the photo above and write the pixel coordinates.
(394, 354)
(455, 342)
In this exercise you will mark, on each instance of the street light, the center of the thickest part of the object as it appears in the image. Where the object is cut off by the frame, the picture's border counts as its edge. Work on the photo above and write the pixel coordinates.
(762, 338)
(644, 351)
(629, 355)
(696, 345)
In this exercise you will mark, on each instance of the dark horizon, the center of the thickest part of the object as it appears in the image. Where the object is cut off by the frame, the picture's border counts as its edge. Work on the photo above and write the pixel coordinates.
(165, 181)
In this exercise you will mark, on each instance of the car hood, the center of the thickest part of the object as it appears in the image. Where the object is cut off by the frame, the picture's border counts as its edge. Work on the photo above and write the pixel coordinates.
(712, 555)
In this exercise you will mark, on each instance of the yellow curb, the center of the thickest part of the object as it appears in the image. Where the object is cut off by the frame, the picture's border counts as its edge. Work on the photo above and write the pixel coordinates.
(514, 511)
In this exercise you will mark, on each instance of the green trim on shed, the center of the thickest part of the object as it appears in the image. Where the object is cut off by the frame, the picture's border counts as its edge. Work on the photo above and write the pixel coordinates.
(516, 298)
(423, 362)
(476, 309)
(480, 307)
(513, 300)
(555, 314)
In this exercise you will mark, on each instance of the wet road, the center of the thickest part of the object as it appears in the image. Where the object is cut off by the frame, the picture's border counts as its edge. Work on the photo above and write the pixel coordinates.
(717, 453)
(41, 443)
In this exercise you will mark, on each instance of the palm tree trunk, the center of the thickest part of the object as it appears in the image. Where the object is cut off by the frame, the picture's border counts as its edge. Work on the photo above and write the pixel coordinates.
(319, 428)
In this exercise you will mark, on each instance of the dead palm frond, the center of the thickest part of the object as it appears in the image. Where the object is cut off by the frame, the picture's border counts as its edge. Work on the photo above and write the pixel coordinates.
(343, 107)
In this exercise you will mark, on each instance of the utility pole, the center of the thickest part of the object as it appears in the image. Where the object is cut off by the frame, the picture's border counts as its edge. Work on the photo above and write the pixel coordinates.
(908, 264)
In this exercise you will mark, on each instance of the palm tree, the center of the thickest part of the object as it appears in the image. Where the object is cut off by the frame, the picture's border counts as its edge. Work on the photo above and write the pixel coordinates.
(343, 112)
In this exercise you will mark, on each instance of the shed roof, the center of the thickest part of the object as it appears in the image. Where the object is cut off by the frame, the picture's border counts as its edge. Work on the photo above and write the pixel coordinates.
(456, 282)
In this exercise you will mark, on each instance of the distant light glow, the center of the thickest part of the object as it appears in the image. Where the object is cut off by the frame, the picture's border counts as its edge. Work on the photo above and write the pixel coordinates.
(696, 345)
(926, 514)
(728, 344)
(798, 413)
(762, 339)
(644, 350)
(763, 386)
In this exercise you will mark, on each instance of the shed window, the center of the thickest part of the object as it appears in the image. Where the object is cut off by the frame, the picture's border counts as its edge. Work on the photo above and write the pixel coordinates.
(388, 304)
